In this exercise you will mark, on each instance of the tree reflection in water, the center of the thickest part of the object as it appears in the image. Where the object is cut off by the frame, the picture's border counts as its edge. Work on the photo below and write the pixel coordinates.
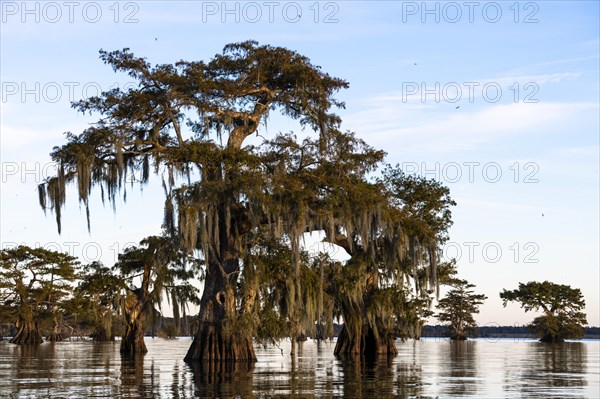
(461, 377)
(218, 380)
(31, 368)
(59, 369)
(380, 377)
(427, 368)
(558, 369)
(137, 381)
(306, 375)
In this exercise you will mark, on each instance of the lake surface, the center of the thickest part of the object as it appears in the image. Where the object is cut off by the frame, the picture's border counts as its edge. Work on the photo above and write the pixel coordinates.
(428, 368)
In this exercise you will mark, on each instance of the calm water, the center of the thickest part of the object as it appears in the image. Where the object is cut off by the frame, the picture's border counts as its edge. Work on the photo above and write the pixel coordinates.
(428, 368)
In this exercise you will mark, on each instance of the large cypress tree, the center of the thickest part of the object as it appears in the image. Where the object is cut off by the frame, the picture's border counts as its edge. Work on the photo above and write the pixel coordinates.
(188, 123)
(194, 117)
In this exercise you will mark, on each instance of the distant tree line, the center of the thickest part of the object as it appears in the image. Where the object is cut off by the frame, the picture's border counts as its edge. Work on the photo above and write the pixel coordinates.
(499, 332)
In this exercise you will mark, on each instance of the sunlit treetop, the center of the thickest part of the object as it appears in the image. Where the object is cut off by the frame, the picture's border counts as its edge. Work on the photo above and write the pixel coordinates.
(171, 117)
(547, 296)
(562, 308)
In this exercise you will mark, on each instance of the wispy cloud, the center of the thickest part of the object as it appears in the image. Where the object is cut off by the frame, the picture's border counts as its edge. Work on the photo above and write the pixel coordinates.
(435, 130)
(472, 90)
(583, 150)
(539, 79)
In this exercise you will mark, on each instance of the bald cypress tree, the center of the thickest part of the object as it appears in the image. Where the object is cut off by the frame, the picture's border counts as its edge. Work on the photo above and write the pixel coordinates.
(160, 266)
(457, 309)
(188, 123)
(33, 283)
(193, 117)
(561, 306)
(393, 269)
(96, 299)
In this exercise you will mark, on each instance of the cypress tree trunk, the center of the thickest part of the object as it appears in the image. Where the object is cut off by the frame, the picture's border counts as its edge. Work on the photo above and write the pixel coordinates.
(458, 332)
(103, 332)
(28, 333)
(293, 349)
(133, 338)
(213, 341)
(364, 343)
(551, 339)
(55, 336)
(216, 339)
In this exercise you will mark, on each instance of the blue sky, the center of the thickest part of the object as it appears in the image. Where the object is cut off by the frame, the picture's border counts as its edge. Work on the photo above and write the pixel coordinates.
(498, 100)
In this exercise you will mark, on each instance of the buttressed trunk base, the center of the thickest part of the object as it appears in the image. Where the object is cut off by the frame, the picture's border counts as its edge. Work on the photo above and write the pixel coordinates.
(28, 334)
(54, 337)
(552, 339)
(213, 342)
(364, 344)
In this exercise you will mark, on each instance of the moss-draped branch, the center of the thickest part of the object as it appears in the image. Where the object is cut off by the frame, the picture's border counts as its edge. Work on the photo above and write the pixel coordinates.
(187, 123)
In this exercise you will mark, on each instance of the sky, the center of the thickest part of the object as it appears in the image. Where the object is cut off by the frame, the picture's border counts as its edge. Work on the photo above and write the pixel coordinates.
(497, 100)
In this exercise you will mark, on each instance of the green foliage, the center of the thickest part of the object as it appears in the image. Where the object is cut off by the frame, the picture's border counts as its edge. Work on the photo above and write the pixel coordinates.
(34, 283)
(161, 266)
(425, 202)
(457, 308)
(561, 306)
(423, 215)
(97, 298)
(554, 328)
(234, 93)
(285, 293)
(249, 206)
(372, 288)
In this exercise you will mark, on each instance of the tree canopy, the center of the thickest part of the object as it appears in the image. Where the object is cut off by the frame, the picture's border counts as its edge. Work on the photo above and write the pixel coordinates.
(457, 308)
(160, 266)
(561, 305)
(33, 282)
(176, 111)
(97, 299)
(187, 123)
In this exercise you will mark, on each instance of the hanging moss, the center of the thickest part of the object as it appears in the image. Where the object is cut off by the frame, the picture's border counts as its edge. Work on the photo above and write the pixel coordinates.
(251, 198)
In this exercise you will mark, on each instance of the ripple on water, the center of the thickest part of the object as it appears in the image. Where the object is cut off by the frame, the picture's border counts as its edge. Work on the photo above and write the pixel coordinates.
(424, 368)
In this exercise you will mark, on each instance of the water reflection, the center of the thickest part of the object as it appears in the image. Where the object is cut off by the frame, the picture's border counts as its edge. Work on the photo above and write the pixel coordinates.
(369, 378)
(132, 381)
(222, 381)
(33, 370)
(54, 370)
(559, 370)
(426, 368)
(461, 377)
